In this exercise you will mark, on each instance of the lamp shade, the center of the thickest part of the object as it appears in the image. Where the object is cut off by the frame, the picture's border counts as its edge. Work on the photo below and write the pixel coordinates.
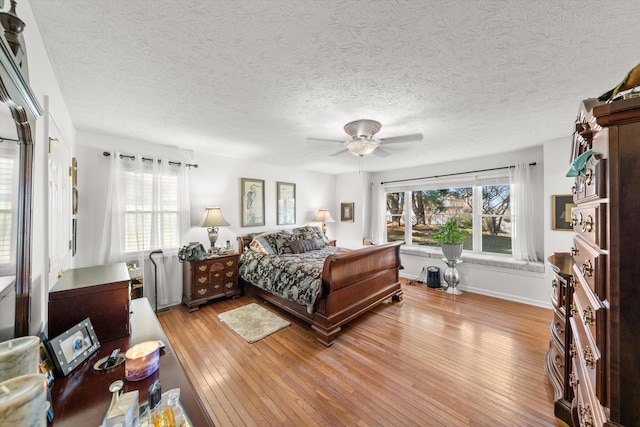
(212, 218)
(323, 216)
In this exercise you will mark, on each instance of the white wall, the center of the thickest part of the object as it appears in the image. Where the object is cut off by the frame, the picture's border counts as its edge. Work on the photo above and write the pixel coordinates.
(556, 158)
(353, 188)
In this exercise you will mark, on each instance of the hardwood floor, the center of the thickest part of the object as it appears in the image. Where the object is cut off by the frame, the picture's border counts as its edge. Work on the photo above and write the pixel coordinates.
(432, 360)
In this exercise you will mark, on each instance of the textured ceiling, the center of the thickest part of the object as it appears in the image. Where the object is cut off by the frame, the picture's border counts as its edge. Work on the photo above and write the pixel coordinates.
(255, 78)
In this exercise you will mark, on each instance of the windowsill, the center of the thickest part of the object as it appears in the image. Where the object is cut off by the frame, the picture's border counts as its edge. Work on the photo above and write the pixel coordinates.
(478, 259)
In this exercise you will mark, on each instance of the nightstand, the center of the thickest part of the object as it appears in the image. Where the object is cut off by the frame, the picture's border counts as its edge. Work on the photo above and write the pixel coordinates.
(332, 242)
(211, 278)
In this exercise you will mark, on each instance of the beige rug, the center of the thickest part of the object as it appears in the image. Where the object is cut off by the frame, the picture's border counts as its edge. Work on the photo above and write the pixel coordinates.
(252, 322)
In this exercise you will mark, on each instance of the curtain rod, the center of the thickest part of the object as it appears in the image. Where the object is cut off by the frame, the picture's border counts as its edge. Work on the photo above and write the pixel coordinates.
(453, 174)
(3, 139)
(145, 159)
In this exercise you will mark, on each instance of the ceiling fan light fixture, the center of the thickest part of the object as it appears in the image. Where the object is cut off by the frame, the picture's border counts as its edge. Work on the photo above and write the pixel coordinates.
(361, 147)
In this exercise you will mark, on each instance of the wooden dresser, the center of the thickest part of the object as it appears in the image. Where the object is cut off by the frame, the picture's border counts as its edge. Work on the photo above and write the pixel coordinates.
(604, 311)
(100, 292)
(558, 358)
(208, 279)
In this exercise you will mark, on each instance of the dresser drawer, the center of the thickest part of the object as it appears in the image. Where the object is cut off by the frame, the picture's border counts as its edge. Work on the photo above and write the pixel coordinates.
(588, 310)
(591, 184)
(587, 355)
(201, 291)
(588, 409)
(557, 358)
(590, 222)
(590, 264)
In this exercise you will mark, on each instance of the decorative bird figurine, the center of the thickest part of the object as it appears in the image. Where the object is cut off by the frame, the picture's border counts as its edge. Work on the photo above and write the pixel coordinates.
(630, 81)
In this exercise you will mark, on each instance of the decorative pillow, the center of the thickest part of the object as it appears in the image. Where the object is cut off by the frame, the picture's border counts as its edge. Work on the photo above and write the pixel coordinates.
(264, 243)
(283, 241)
(301, 246)
(309, 232)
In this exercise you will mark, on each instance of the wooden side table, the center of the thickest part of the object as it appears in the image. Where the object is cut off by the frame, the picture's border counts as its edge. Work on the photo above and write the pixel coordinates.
(212, 278)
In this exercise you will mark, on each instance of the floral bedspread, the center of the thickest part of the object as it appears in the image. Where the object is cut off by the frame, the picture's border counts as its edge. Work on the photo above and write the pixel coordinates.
(296, 277)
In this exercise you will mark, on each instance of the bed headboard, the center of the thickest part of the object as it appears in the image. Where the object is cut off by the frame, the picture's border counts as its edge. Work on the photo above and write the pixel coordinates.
(243, 242)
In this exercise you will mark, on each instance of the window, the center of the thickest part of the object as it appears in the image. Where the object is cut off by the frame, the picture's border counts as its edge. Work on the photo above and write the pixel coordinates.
(8, 198)
(151, 209)
(484, 210)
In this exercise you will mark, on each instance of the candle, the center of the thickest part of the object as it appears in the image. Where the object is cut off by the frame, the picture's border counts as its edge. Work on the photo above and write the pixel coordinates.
(19, 356)
(142, 360)
(23, 401)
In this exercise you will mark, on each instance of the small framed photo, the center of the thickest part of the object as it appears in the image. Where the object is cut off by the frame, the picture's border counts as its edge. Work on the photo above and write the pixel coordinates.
(286, 203)
(346, 212)
(71, 348)
(252, 195)
(562, 214)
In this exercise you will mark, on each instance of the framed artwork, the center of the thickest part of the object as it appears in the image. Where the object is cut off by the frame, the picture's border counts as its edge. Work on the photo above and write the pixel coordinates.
(563, 206)
(286, 203)
(346, 212)
(252, 195)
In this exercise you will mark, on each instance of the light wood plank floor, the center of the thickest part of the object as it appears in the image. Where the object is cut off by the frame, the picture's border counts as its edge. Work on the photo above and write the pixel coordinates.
(432, 360)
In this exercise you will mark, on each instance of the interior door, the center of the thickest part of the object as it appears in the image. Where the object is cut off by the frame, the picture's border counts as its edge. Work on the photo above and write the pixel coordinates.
(60, 203)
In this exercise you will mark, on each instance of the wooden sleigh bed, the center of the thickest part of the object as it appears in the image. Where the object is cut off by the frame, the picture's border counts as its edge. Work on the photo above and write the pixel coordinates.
(353, 282)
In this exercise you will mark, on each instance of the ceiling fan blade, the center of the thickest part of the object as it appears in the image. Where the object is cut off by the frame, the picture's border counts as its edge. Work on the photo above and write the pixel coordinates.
(324, 140)
(403, 138)
(381, 152)
(338, 153)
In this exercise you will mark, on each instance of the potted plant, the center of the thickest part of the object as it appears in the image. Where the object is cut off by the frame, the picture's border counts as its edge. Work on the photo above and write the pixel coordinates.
(451, 236)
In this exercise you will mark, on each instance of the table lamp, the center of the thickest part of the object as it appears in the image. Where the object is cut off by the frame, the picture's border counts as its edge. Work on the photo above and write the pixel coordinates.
(323, 216)
(212, 219)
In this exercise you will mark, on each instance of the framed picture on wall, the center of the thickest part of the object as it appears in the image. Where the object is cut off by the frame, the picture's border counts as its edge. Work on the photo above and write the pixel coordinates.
(346, 212)
(563, 206)
(286, 203)
(252, 195)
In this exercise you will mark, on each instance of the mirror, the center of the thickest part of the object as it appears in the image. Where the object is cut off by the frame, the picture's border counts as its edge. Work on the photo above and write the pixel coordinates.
(16, 94)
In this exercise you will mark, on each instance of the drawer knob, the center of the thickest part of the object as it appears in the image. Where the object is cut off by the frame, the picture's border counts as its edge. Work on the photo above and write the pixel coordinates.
(573, 349)
(202, 291)
(229, 263)
(560, 330)
(586, 417)
(587, 225)
(574, 189)
(202, 280)
(587, 268)
(229, 285)
(558, 361)
(229, 273)
(588, 176)
(574, 220)
(573, 310)
(588, 316)
(202, 267)
(573, 251)
(589, 358)
(554, 283)
(573, 380)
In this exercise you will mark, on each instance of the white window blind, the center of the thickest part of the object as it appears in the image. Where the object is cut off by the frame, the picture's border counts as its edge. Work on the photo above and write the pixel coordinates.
(144, 218)
(9, 155)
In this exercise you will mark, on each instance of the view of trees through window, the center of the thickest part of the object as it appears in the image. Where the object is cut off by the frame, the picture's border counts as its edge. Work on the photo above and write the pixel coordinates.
(432, 208)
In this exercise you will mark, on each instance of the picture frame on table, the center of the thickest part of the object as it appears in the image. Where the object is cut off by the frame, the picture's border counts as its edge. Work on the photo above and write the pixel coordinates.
(72, 347)
(286, 194)
(562, 213)
(252, 196)
(346, 212)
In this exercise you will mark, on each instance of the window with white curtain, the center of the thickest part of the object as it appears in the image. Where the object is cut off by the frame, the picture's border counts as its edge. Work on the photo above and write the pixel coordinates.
(151, 208)
(9, 156)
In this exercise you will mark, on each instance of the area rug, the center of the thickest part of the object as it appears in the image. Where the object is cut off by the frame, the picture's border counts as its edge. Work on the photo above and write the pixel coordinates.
(252, 322)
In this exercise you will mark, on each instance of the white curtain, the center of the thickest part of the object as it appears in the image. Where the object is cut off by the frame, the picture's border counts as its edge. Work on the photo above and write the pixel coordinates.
(378, 229)
(148, 209)
(522, 209)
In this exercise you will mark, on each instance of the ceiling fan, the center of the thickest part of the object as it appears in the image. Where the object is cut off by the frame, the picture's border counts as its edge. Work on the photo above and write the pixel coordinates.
(362, 140)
